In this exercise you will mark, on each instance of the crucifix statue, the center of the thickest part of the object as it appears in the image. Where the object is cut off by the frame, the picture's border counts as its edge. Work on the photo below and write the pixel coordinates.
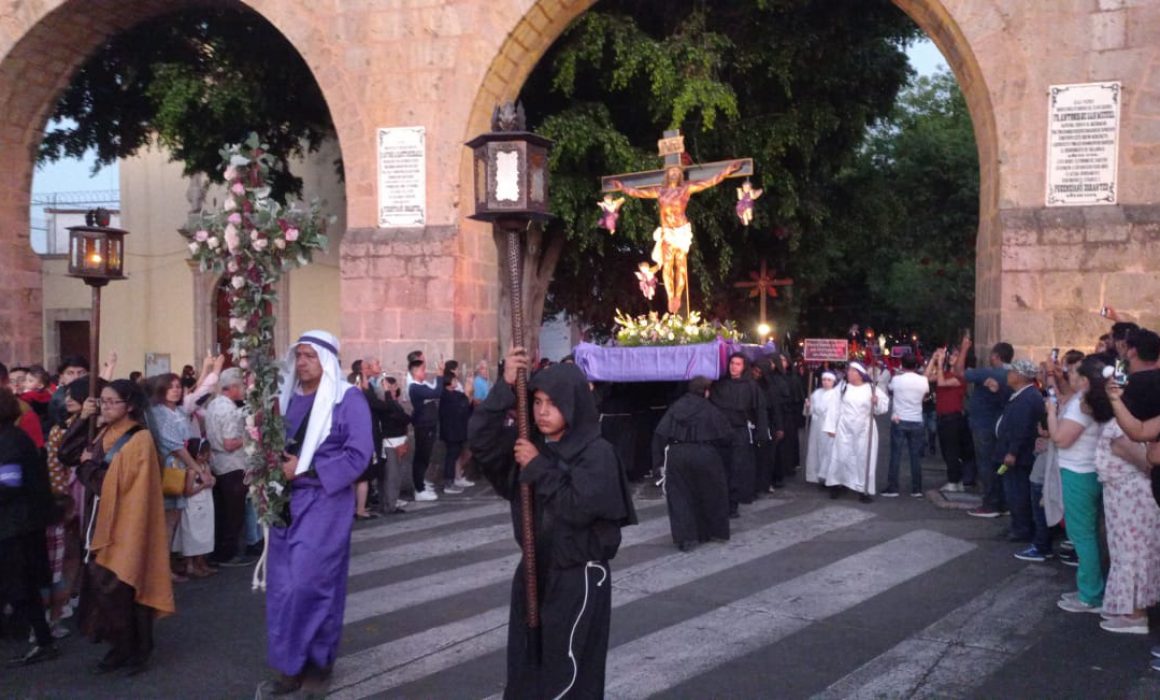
(762, 285)
(672, 187)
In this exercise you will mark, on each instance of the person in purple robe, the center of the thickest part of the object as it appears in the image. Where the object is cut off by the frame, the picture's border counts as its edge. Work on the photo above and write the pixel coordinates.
(328, 446)
(746, 194)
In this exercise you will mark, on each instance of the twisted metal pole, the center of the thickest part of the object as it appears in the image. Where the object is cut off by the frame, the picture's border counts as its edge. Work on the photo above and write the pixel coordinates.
(511, 230)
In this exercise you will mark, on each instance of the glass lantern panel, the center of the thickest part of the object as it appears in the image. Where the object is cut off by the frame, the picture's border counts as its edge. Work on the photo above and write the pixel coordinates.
(115, 257)
(507, 176)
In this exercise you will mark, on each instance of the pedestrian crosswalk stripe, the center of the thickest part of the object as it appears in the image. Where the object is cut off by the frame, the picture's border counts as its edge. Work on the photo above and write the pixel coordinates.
(658, 661)
(380, 600)
(959, 651)
(390, 665)
(446, 543)
(398, 525)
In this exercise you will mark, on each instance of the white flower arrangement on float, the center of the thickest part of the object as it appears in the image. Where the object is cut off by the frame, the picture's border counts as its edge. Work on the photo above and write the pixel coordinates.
(670, 329)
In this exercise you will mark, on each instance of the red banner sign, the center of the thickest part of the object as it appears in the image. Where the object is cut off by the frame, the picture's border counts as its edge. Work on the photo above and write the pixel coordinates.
(826, 350)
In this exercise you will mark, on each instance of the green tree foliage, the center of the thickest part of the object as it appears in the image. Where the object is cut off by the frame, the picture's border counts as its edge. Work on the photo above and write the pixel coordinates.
(911, 220)
(871, 193)
(193, 80)
(792, 83)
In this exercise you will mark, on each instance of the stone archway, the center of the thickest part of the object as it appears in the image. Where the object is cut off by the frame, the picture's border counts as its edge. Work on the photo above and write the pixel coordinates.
(542, 23)
(41, 45)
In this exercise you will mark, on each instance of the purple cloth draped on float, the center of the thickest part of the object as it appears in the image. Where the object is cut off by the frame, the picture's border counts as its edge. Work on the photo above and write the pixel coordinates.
(309, 560)
(650, 363)
(669, 363)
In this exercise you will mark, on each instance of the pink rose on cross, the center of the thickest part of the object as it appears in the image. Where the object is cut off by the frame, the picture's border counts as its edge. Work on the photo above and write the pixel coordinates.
(291, 234)
(201, 235)
(213, 243)
(230, 204)
(194, 247)
(235, 218)
(238, 281)
(230, 173)
(238, 188)
(259, 243)
(279, 244)
(232, 238)
(237, 325)
(232, 266)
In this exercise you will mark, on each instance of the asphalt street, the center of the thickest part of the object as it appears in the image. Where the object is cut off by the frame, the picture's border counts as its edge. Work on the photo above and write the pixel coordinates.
(812, 597)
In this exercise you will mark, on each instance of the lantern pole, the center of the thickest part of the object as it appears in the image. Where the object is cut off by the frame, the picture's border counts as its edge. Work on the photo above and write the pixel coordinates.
(94, 349)
(514, 244)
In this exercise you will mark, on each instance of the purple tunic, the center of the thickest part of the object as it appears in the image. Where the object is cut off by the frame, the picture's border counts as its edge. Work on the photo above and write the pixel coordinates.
(308, 561)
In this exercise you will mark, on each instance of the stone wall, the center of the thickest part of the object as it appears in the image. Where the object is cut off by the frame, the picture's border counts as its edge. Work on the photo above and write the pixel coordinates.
(444, 64)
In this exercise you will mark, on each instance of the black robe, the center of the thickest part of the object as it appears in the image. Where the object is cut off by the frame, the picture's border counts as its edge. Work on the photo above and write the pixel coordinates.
(582, 500)
(741, 402)
(769, 465)
(693, 442)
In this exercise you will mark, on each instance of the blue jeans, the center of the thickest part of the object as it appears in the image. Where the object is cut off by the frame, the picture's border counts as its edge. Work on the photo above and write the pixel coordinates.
(988, 467)
(913, 433)
(1042, 538)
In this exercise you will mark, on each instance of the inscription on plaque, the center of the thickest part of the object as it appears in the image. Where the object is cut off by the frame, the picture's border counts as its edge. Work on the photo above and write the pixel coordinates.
(402, 177)
(1082, 143)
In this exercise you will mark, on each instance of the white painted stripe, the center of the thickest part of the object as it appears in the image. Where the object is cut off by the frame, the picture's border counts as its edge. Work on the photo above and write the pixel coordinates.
(663, 659)
(449, 542)
(951, 657)
(381, 600)
(398, 525)
(390, 665)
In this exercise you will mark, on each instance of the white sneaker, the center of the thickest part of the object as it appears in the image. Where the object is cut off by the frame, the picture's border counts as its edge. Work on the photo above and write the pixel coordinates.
(452, 489)
(1126, 625)
(401, 503)
(428, 485)
(464, 483)
(952, 487)
(427, 495)
(1078, 606)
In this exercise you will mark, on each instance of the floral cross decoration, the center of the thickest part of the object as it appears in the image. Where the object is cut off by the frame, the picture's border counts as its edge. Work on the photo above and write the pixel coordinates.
(255, 240)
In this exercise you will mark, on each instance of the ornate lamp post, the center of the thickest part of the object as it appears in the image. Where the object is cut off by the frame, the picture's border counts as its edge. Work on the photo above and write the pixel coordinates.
(510, 169)
(97, 256)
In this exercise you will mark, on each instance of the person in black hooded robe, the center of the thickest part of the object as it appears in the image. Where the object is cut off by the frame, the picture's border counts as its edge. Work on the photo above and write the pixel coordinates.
(739, 398)
(692, 442)
(775, 391)
(582, 500)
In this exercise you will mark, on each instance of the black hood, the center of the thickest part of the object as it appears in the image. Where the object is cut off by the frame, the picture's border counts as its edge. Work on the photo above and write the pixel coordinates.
(694, 418)
(567, 386)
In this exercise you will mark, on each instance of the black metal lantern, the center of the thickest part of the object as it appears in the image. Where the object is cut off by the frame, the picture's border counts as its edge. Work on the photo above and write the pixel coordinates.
(510, 169)
(96, 254)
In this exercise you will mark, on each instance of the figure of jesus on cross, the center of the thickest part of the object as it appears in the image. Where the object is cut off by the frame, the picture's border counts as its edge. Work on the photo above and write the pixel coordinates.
(672, 191)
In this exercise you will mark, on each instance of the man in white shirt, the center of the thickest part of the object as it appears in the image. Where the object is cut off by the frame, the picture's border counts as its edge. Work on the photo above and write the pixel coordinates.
(908, 388)
(225, 424)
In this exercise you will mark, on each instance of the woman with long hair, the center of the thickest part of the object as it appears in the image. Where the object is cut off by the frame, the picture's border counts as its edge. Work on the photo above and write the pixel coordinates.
(1075, 429)
(170, 427)
(1132, 518)
(126, 580)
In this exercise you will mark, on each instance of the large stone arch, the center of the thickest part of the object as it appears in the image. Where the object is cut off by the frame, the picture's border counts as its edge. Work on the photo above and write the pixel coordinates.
(41, 46)
(543, 21)
(1042, 273)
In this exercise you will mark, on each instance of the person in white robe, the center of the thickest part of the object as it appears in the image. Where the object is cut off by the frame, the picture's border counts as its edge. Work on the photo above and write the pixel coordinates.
(853, 461)
(822, 403)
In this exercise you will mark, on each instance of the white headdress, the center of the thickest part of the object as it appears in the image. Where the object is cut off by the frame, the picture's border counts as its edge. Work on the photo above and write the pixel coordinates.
(331, 389)
(829, 374)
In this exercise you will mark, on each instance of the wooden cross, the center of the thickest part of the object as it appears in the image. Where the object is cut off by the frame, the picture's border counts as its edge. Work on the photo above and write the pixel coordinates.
(763, 285)
(672, 147)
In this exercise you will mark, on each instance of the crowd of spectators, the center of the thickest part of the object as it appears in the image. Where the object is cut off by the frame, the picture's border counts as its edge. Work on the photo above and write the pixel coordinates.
(109, 501)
